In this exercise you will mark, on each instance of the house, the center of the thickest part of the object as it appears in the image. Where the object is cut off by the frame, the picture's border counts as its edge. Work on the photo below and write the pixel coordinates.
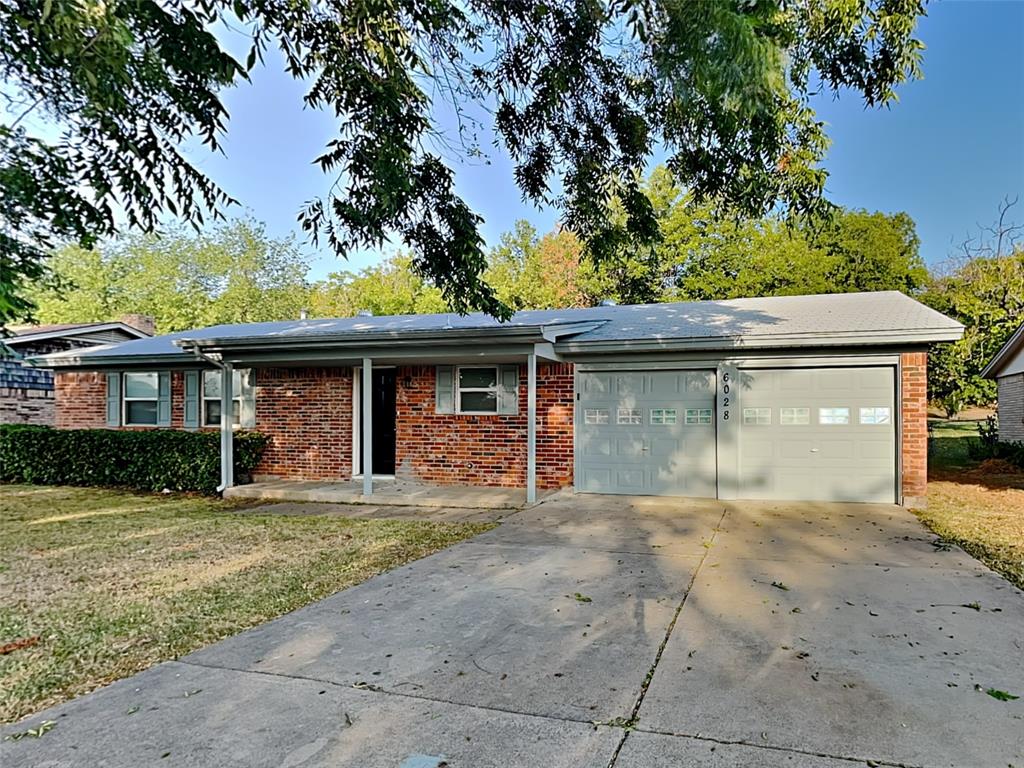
(26, 393)
(801, 397)
(1007, 368)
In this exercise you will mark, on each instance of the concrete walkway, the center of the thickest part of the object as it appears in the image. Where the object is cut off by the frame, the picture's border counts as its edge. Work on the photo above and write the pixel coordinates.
(386, 492)
(813, 636)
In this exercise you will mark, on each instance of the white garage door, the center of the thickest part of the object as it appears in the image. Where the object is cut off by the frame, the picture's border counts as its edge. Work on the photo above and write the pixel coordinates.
(646, 432)
(818, 434)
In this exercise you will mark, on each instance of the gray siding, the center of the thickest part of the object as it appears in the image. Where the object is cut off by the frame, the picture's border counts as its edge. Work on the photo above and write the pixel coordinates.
(1011, 407)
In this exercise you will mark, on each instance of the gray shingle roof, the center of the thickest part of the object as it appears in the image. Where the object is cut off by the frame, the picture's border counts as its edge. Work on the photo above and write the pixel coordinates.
(752, 320)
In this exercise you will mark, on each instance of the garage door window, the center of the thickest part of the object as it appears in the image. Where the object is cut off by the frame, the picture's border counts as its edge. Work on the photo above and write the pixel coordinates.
(792, 417)
(833, 415)
(595, 416)
(663, 416)
(757, 416)
(698, 415)
(875, 416)
(629, 416)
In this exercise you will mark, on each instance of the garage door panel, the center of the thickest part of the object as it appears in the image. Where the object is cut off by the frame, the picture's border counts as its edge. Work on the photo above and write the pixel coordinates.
(660, 455)
(854, 461)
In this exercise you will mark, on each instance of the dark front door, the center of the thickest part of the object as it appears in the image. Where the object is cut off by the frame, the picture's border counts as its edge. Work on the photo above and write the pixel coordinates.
(383, 422)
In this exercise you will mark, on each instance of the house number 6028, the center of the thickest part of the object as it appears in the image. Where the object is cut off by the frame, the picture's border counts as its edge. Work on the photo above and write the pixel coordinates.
(725, 396)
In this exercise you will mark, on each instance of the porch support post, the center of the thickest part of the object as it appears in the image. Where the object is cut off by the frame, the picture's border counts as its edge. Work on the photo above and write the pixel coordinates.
(227, 443)
(531, 428)
(366, 391)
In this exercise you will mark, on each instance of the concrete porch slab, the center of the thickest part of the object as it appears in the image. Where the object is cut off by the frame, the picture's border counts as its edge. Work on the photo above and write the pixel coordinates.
(385, 492)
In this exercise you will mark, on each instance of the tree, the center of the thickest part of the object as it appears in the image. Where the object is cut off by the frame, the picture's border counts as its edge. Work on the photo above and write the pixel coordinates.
(983, 288)
(531, 272)
(389, 288)
(703, 254)
(580, 92)
(233, 274)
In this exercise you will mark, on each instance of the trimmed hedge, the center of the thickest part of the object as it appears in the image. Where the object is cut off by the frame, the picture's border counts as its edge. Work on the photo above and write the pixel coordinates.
(149, 460)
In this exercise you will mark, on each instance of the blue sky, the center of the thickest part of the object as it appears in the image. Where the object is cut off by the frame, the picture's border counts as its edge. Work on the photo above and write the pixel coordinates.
(947, 153)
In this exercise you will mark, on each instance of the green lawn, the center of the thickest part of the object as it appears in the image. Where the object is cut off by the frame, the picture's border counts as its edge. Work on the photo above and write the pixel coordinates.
(979, 509)
(948, 443)
(97, 584)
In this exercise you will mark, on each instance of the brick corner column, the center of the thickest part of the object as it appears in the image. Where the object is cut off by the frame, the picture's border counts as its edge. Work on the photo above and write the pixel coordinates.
(914, 424)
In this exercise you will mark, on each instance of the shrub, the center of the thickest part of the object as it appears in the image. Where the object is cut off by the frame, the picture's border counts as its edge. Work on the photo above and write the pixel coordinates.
(989, 446)
(148, 460)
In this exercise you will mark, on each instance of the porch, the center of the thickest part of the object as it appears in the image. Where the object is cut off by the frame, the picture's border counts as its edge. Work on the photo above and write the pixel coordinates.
(386, 492)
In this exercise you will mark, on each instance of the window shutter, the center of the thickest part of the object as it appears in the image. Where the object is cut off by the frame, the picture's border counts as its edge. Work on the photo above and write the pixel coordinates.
(163, 402)
(113, 399)
(508, 389)
(191, 399)
(247, 408)
(445, 399)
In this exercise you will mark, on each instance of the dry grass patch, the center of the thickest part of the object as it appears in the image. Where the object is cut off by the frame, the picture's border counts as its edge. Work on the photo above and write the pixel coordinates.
(984, 514)
(113, 582)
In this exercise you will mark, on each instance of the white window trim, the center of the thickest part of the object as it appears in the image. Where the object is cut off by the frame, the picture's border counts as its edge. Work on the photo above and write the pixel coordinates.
(874, 415)
(832, 415)
(237, 396)
(758, 413)
(630, 414)
(702, 417)
(667, 417)
(794, 408)
(125, 400)
(459, 389)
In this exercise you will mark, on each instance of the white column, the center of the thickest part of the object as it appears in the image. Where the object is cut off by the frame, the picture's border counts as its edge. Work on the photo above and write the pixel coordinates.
(227, 444)
(531, 428)
(367, 449)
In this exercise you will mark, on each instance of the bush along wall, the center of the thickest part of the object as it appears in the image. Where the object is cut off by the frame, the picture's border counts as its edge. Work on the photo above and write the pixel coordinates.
(149, 460)
(990, 447)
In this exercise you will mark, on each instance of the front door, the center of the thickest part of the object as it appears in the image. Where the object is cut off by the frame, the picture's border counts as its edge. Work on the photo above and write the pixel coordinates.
(383, 422)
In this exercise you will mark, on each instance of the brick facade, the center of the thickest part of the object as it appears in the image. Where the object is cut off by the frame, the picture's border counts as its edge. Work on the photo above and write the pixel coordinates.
(453, 449)
(27, 406)
(307, 413)
(914, 425)
(81, 400)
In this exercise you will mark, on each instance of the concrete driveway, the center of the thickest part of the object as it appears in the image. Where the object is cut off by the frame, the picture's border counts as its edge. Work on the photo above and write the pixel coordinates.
(602, 631)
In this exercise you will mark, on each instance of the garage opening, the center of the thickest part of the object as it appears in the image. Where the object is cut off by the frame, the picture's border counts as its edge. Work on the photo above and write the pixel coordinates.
(646, 432)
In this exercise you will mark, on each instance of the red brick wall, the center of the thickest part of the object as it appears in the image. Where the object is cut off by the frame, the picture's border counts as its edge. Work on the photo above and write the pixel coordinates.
(80, 399)
(452, 449)
(307, 412)
(914, 416)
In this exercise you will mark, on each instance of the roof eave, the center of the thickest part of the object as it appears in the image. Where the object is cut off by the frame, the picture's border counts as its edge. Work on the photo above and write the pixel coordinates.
(874, 338)
(991, 371)
(60, 360)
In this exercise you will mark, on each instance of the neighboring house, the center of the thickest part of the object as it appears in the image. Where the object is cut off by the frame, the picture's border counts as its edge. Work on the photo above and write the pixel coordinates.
(1007, 368)
(26, 394)
(802, 397)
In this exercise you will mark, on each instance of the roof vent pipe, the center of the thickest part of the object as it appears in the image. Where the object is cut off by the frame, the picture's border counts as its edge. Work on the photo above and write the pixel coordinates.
(303, 314)
(607, 303)
(364, 313)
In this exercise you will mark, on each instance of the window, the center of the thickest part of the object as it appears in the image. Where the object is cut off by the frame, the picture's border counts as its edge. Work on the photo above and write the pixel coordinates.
(757, 415)
(477, 390)
(663, 416)
(141, 393)
(833, 415)
(595, 416)
(211, 398)
(698, 415)
(629, 416)
(874, 416)
(792, 417)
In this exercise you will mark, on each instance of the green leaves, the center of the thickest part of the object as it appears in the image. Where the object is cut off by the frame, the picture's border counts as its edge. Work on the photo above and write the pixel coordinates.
(579, 93)
(995, 693)
(149, 460)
